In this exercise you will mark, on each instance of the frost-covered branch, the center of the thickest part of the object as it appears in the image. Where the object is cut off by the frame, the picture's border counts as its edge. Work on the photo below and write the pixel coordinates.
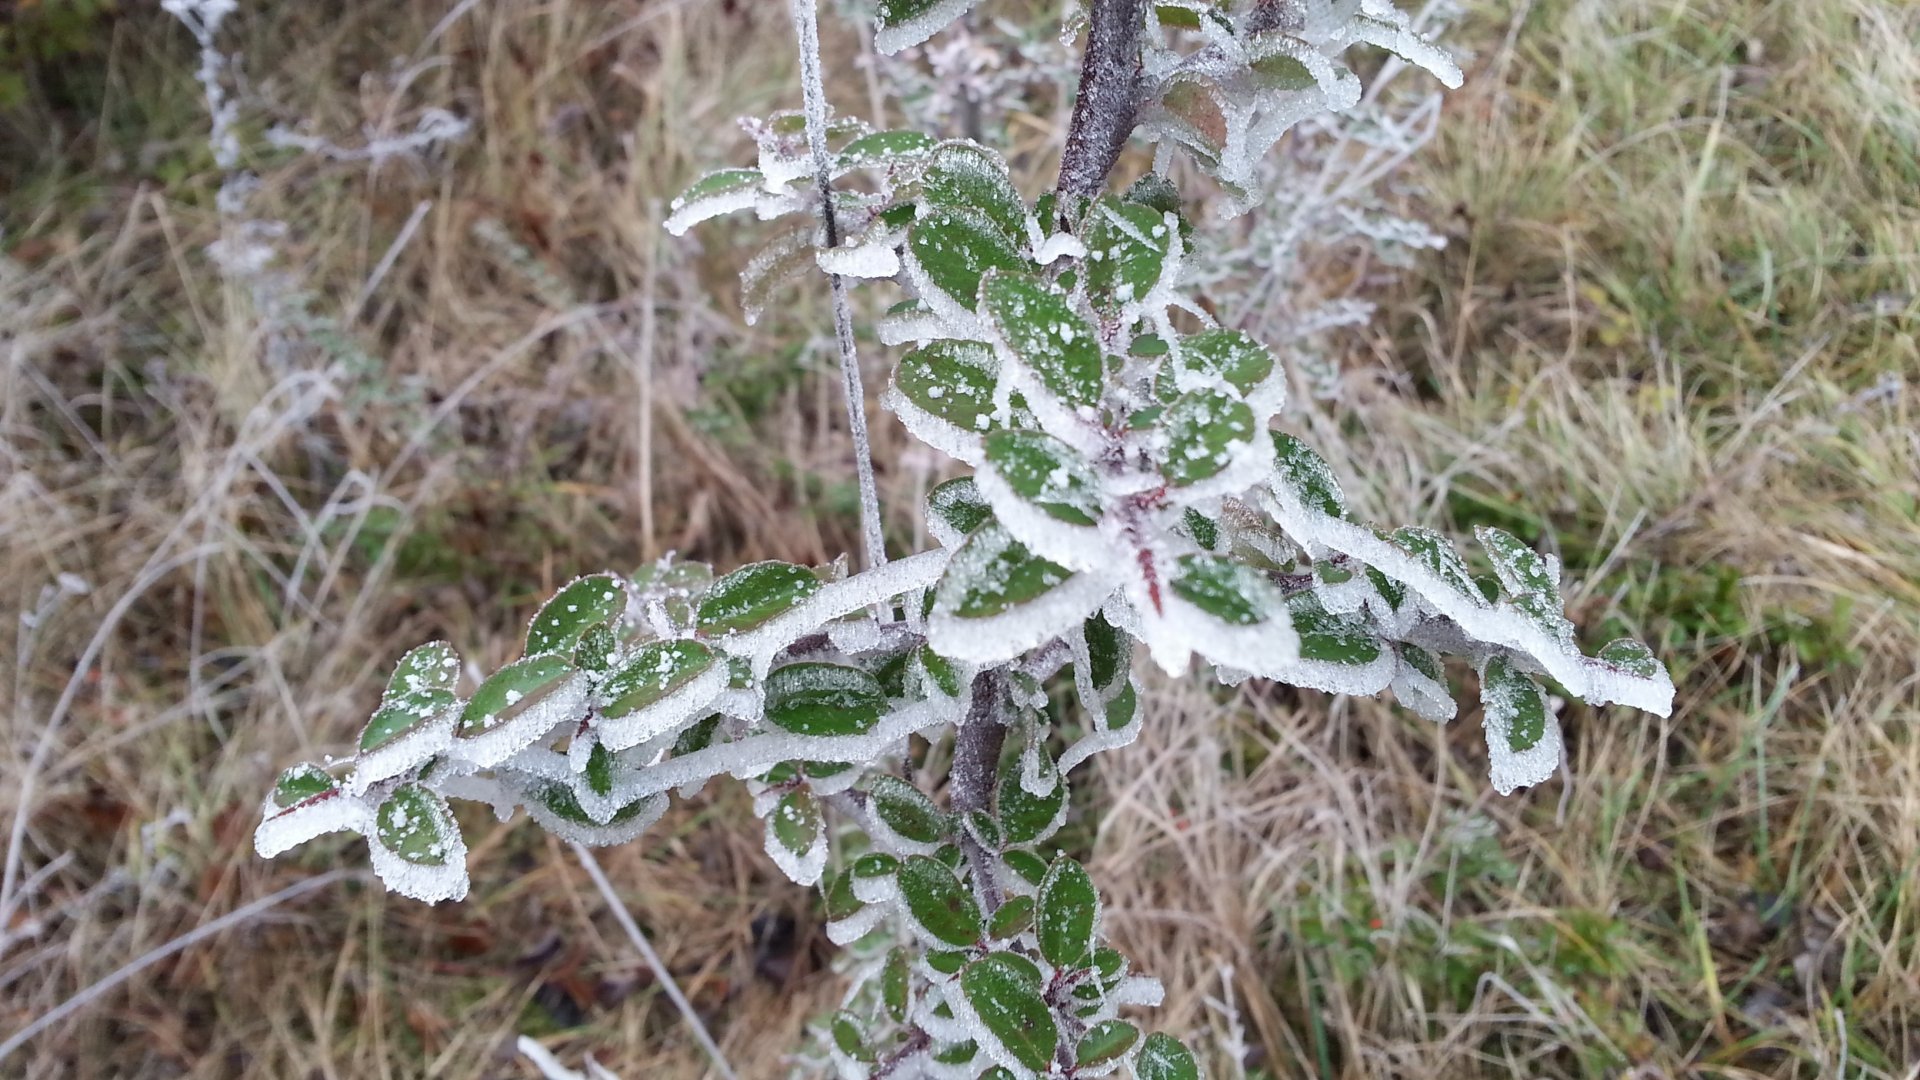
(1107, 102)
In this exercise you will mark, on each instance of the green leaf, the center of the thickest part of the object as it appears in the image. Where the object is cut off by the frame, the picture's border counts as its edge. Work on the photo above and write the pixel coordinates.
(795, 821)
(823, 699)
(433, 666)
(1514, 697)
(710, 196)
(1127, 248)
(511, 692)
(1229, 591)
(1104, 1042)
(1013, 917)
(849, 1038)
(1032, 868)
(992, 573)
(884, 148)
(954, 248)
(1068, 913)
(906, 809)
(698, 737)
(599, 771)
(300, 783)
(1026, 817)
(900, 24)
(1229, 354)
(1433, 551)
(959, 1053)
(938, 901)
(753, 595)
(836, 895)
(1008, 1002)
(404, 714)
(1046, 472)
(1109, 652)
(951, 381)
(1306, 477)
(1204, 530)
(875, 864)
(1199, 435)
(596, 650)
(946, 963)
(595, 600)
(1039, 325)
(416, 824)
(654, 673)
(940, 671)
(957, 504)
(1333, 639)
(1163, 1057)
(1633, 658)
(894, 984)
(963, 176)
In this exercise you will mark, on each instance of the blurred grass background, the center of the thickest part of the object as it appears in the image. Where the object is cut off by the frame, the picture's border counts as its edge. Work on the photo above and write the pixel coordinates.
(1674, 334)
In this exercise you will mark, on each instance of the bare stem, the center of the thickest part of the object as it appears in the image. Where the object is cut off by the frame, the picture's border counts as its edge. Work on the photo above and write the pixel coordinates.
(976, 763)
(1108, 101)
(806, 25)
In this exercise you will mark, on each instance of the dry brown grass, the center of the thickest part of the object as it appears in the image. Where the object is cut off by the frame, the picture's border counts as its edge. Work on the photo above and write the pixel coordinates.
(1685, 255)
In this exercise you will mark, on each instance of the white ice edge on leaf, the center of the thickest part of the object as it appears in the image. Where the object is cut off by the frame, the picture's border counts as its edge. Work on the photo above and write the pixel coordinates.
(597, 835)
(1421, 693)
(1077, 547)
(951, 317)
(280, 830)
(802, 868)
(566, 702)
(428, 884)
(994, 638)
(983, 1036)
(397, 756)
(832, 600)
(948, 438)
(906, 33)
(765, 205)
(1590, 679)
(844, 932)
(686, 704)
(870, 259)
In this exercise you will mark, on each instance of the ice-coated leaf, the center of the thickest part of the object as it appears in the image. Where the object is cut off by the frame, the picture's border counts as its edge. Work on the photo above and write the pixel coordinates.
(1003, 992)
(1633, 658)
(955, 509)
(1523, 735)
(753, 595)
(943, 393)
(784, 258)
(1420, 682)
(1201, 435)
(797, 837)
(1226, 355)
(823, 699)
(306, 802)
(939, 671)
(1026, 865)
(1229, 591)
(517, 705)
(1163, 1057)
(942, 907)
(883, 148)
(907, 811)
(402, 715)
(1128, 248)
(952, 249)
(556, 808)
(1306, 478)
(300, 783)
(1105, 1041)
(1038, 325)
(894, 984)
(901, 24)
(848, 1037)
(1433, 551)
(1013, 917)
(1533, 581)
(1045, 472)
(712, 195)
(837, 900)
(1329, 638)
(417, 849)
(433, 666)
(1068, 915)
(1109, 652)
(967, 176)
(1027, 817)
(996, 599)
(595, 600)
(598, 647)
(663, 685)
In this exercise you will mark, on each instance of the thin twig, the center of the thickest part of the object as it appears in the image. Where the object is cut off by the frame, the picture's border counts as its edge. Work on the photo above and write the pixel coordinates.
(806, 25)
(976, 764)
(1108, 100)
(96, 991)
(660, 972)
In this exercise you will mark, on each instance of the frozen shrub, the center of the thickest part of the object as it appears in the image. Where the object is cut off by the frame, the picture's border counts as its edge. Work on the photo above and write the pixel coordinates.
(1129, 494)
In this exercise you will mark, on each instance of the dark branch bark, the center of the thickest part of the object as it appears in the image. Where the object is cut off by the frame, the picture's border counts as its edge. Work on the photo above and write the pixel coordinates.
(1108, 100)
(976, 765)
